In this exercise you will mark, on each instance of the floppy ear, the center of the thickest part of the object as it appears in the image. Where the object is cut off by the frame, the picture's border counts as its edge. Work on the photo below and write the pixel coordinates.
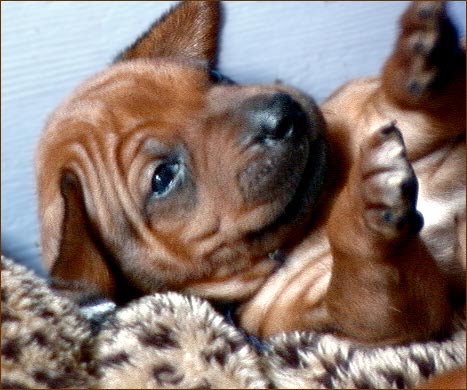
(81, 270)
(190, 29)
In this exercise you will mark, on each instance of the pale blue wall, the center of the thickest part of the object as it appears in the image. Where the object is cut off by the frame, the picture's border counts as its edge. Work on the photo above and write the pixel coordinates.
(49, 47)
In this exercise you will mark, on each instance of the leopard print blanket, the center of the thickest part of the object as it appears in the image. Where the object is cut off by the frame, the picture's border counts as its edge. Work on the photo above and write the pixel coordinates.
(174, 341)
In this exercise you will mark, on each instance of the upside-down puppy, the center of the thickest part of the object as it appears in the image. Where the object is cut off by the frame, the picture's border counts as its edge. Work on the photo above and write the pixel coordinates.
(365, 269)
(158, 174)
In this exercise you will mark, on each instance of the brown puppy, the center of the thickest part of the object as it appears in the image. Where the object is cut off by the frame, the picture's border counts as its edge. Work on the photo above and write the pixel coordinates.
(363, 270)
(158, 175)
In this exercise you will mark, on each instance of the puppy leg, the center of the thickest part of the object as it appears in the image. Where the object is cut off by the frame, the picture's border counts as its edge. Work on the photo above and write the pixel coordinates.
(384, 287)
(424, 83)
(426, 70)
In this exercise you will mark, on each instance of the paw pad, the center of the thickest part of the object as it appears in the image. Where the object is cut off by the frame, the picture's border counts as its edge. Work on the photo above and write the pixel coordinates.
(427, 11)
(430, 42)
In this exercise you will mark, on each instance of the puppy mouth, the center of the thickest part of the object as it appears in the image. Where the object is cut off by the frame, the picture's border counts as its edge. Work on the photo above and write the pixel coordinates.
(301, 206)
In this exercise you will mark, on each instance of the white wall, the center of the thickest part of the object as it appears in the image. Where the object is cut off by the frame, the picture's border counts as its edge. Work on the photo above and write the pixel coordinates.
(50, 47)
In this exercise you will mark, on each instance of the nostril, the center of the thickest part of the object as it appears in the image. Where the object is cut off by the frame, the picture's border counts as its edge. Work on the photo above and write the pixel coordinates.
(278, 117)
(281, 128)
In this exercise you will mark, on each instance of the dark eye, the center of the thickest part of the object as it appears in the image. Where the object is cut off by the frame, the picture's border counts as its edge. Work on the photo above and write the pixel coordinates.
(218, 78)
(163, 178)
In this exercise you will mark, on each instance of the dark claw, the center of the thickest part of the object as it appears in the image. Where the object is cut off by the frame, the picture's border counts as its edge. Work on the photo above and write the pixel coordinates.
(425, 13)
(390, 128)
(409, 189)
(415, 88)
(413, 222)
(420, 48)
(388, 216)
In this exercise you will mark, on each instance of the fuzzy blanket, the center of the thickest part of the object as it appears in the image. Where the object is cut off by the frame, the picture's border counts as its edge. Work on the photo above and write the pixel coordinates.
(175, 341)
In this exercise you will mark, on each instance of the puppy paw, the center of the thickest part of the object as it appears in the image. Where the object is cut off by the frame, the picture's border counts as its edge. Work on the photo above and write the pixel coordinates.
(388, 186)
(422, 37)
(427, 57)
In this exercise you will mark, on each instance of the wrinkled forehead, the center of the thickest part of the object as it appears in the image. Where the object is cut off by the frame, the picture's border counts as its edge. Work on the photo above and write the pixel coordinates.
(128, 94)
(167, 74)
(164, 97)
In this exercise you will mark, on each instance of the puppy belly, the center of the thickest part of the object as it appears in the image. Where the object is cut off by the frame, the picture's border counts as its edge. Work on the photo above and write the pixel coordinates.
(441, 201)
(291, 299)
(441, 235)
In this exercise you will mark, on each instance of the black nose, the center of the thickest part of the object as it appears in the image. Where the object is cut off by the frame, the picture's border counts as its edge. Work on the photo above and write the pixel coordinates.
(277, 117)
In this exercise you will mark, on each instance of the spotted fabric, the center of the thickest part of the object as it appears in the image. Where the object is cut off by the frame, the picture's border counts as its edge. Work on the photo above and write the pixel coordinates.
(45, 341)
(174, 341)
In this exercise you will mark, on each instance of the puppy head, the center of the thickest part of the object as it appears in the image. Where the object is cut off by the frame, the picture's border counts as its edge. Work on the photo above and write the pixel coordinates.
(159, 174)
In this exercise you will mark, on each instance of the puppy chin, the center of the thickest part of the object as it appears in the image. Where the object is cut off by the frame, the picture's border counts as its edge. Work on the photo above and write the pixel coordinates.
(289, 218)
(236, 287)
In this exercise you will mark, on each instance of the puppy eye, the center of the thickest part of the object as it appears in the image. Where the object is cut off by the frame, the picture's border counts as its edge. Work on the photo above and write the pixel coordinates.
(215, 76)
(164, 178)
(218, 78)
